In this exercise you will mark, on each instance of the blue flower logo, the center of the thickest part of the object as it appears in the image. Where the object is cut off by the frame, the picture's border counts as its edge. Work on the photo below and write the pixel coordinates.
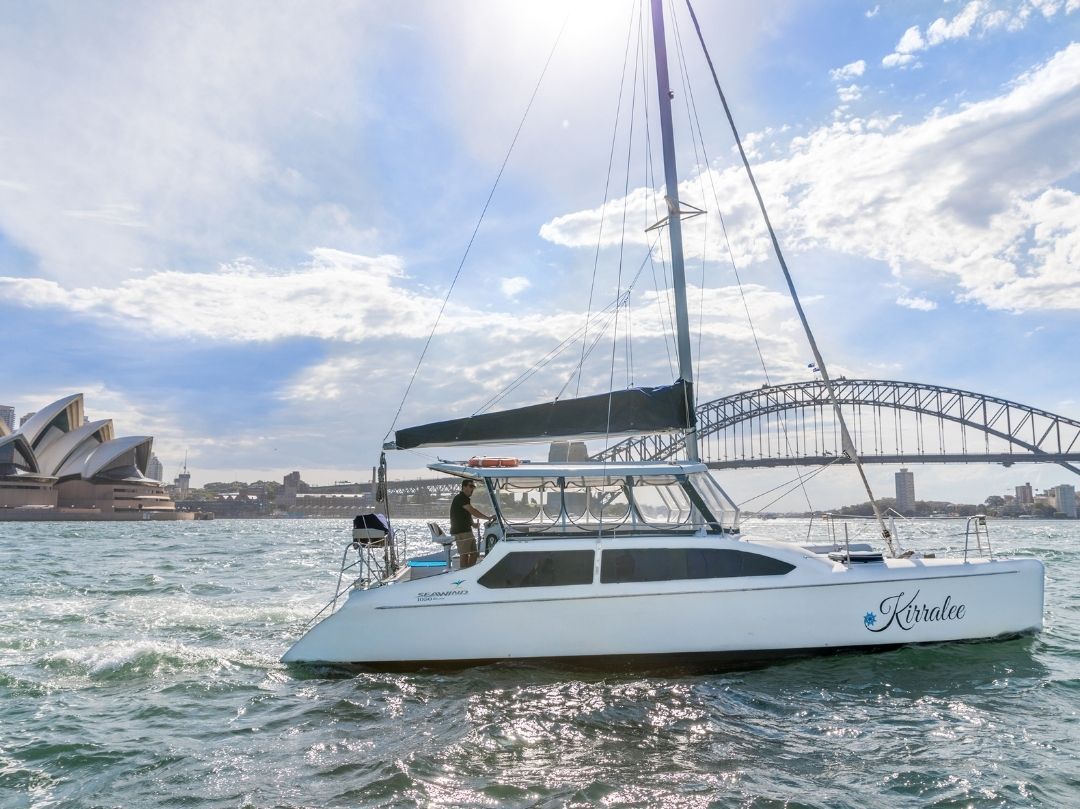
(869, 620)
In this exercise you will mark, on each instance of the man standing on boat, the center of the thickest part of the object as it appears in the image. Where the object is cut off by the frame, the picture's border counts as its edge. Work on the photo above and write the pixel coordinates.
(462, 512)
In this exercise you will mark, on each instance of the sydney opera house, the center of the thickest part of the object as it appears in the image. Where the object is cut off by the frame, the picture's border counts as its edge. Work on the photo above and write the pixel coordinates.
(59, 466)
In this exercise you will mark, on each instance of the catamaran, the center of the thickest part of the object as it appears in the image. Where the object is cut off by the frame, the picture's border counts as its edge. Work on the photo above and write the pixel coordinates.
(642, 563)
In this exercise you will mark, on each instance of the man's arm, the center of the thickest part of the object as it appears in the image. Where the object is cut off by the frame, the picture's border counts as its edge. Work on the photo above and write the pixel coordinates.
(477, 513)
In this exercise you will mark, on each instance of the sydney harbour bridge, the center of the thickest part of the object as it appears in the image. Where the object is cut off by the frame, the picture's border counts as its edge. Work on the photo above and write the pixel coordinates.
(890, 422)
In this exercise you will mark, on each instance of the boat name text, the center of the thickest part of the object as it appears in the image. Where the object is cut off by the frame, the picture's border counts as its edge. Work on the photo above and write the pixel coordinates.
(907, 613)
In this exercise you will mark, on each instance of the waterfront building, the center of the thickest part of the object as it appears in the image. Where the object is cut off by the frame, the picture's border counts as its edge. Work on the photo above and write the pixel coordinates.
(60, 465)
(905, 492)
(7, 419)
(26, 418)
(1063, 499)
(183, 481)
(1024, 495)
(341, 499)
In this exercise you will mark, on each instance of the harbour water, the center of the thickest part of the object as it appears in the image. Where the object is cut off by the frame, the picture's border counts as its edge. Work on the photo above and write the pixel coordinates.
(139, 667)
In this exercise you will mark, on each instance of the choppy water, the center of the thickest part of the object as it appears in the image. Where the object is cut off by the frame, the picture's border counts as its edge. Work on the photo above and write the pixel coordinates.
(138, 667)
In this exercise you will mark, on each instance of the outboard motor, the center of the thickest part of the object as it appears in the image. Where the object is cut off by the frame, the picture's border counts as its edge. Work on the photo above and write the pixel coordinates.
(373, 542)
(370, 530)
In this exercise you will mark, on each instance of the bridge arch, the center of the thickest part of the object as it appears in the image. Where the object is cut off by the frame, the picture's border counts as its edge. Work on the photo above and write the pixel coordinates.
(1021, 433)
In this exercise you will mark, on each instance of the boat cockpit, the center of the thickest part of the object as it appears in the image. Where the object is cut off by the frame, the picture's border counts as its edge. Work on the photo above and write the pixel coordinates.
(538, 500)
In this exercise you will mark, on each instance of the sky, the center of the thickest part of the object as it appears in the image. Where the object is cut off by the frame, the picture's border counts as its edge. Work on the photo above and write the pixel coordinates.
(233, 226)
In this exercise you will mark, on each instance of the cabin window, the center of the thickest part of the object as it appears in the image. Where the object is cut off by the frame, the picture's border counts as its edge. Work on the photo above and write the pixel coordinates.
(662, 501)
(540, 569)
(526, 500)
(671, 564)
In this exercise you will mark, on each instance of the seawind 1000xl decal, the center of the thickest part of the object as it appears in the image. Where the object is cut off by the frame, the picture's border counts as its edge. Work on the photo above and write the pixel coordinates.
(907, 612)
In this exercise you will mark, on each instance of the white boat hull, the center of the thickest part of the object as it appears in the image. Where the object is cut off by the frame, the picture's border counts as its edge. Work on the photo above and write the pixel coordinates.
(819, 606)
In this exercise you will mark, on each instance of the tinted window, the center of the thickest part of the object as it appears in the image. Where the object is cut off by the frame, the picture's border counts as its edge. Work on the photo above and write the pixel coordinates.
(540, 569)
(669, 564)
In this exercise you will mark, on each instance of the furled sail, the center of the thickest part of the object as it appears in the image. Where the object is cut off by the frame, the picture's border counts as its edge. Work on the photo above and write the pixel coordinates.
(632, 411)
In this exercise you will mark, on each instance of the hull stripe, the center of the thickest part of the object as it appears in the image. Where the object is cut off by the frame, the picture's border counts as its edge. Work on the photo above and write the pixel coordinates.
(689, 592)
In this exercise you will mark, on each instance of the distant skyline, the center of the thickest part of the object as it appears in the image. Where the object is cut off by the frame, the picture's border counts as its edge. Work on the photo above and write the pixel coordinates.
(231, 226)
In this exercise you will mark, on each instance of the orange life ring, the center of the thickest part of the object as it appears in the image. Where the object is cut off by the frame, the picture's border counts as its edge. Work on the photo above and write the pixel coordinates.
(489, 463)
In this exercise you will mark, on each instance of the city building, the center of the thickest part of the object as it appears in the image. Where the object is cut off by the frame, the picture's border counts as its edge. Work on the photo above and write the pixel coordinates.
(7, 419)
(1024, 495)
(1063, 499)
(905, 492)
(154, 469)
(341, 499)
(60, 466)
(183, 480)
(26, 418)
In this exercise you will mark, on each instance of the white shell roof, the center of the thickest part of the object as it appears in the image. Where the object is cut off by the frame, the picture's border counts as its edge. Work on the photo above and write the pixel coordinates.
(22, 454)
(37, 424)
(108, 454)
(66, 455)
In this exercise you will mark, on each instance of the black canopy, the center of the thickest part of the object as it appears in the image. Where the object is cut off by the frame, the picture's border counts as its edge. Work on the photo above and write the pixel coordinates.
(636, 410)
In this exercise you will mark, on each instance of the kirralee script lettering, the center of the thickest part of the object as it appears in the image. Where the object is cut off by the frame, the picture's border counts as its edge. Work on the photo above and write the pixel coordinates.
(907, 612)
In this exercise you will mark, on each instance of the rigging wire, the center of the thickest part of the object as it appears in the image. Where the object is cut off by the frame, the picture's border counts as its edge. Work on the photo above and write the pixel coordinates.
(600, 322)
(848, 444)
(622, 232)
(800, 482)
(571, 339)
(695, 128)
(476, 229)
(603, 207)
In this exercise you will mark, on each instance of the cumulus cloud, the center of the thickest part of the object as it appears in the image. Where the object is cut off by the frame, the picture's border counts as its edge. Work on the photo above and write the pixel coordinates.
(969, 195)
(512, 287)
(917, 303)
(849, 71)
(975, 14)
(727, 360)
(940, 30)
(347, 300)
(909, 44)
(852, 92)
(336, 296)
(959, 27)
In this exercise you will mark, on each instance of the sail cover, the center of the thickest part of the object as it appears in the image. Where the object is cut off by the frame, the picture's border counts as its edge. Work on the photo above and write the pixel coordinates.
(635, 410)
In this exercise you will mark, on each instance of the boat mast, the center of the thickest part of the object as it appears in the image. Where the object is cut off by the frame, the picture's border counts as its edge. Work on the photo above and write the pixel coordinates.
(674, 222)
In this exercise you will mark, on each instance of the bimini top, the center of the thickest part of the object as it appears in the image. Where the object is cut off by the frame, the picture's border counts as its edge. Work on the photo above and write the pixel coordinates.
(570, 470)
(562, 499)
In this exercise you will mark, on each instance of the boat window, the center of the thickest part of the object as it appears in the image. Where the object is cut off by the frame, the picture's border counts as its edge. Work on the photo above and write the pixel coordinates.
(540, 569)
(662, 501)
(670, 564)
(615, 503)
(522, 500)
(715, 500)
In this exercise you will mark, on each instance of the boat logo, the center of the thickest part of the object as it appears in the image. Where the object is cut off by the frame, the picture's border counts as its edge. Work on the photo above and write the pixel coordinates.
(439, 595)
(906, 613)
(458, 583)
